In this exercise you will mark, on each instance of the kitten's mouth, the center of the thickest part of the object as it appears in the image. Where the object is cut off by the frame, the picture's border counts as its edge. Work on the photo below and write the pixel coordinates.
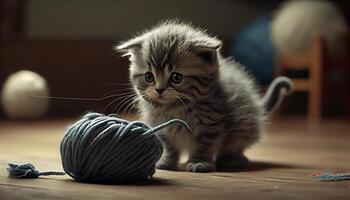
(162, 100)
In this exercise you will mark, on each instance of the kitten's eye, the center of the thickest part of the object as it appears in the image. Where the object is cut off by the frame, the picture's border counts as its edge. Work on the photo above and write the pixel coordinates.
(176, 78)
(149, 77)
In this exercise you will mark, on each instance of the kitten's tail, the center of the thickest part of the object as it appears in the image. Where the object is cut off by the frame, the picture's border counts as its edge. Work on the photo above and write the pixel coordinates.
(279, 88)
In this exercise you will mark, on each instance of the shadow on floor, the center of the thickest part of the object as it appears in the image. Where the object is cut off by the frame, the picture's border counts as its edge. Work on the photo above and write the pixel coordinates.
(259, 166)
(146, 182)
(252, 166)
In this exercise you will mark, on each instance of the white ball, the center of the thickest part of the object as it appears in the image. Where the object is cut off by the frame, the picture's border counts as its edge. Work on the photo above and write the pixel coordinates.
(297, 22)
(22, 95)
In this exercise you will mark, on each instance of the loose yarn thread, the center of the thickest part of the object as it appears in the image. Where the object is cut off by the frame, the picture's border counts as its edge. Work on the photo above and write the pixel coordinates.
(327, 177)
(28, 171)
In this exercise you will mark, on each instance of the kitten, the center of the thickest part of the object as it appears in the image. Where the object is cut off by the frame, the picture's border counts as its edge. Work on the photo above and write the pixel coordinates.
(177, 72)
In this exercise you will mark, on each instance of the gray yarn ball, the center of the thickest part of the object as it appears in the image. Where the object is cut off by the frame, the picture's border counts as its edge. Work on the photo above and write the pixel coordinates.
(297, 22)
(107, 149)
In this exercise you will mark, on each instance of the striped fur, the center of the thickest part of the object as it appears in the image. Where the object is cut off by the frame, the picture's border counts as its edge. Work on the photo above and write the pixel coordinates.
(216, 98)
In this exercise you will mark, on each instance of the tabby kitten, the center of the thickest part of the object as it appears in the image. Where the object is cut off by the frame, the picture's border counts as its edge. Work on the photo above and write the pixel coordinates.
(177, 72)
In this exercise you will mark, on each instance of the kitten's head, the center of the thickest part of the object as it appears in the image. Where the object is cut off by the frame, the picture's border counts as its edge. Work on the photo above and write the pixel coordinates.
(172, 62)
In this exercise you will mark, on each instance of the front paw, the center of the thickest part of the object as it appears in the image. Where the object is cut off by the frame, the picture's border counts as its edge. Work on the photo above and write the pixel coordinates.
(200, 167)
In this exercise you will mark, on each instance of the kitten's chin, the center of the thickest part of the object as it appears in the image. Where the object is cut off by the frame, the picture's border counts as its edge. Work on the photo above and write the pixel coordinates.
(160, 101)
(163, 101)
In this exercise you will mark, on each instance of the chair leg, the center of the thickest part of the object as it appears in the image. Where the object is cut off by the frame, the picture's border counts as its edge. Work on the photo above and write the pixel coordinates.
(315, 93)
(314, 105)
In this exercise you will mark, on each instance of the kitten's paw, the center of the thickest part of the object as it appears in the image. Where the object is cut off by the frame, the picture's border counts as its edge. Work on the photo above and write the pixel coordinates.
(231, 162)
(166, 166)
(200, 167)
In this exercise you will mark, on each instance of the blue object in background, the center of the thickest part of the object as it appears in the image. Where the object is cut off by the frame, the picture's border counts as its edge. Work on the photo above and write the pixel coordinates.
(253, 48)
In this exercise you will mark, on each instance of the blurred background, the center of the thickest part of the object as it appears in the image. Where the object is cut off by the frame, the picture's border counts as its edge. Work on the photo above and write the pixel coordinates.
(70, 45)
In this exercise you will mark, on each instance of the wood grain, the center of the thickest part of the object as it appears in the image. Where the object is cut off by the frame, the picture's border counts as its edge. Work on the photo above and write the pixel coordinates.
(281, 164)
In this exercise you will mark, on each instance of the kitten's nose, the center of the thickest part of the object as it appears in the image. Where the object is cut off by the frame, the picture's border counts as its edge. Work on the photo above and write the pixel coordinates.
(160, 91)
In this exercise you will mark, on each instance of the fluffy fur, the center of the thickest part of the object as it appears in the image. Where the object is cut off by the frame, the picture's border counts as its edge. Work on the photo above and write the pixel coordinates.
(215, 96)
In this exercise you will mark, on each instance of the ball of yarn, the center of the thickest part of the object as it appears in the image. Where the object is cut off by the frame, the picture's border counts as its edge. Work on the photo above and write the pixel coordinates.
(253, 49)
(17, 95)
(297, 22)
(107, 149)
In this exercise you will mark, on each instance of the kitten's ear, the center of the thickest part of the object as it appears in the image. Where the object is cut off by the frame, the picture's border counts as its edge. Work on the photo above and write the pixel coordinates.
(129, 46)
(207, 49)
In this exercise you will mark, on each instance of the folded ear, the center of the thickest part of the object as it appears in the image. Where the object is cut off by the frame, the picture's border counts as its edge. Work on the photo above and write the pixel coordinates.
(129, 46)
(207, 48)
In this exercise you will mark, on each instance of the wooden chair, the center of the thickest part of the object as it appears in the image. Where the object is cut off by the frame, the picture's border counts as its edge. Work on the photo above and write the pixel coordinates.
(313, 62)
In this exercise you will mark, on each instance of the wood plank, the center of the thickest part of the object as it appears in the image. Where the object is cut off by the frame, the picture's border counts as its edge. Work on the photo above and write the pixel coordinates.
(316, 78)
(301, 85)
(294, 62)
(281, 164)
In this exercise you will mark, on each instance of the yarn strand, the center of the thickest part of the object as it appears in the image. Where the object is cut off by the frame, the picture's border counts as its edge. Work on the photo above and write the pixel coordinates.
(173, 121)
(28, 171)
(328, 177)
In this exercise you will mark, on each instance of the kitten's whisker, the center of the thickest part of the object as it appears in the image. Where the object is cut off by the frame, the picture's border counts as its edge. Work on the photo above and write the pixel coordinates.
(120, 94)
(114, 91)
(124, 100)
(152, 102)
(114, 84)
(125, 103)
(75, 98)
(129, 104)
(122, 89)
(178, 104)
(187, 97)
(184, 106)
(109, 104)
(134, 103)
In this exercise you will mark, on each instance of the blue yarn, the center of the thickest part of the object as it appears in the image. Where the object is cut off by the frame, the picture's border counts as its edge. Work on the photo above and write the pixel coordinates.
(105, 149)
(332, 177)
(253, 48)
(27, 171)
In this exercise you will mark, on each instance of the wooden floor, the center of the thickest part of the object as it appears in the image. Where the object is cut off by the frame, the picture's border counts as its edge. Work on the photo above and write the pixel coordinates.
(280, 169)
